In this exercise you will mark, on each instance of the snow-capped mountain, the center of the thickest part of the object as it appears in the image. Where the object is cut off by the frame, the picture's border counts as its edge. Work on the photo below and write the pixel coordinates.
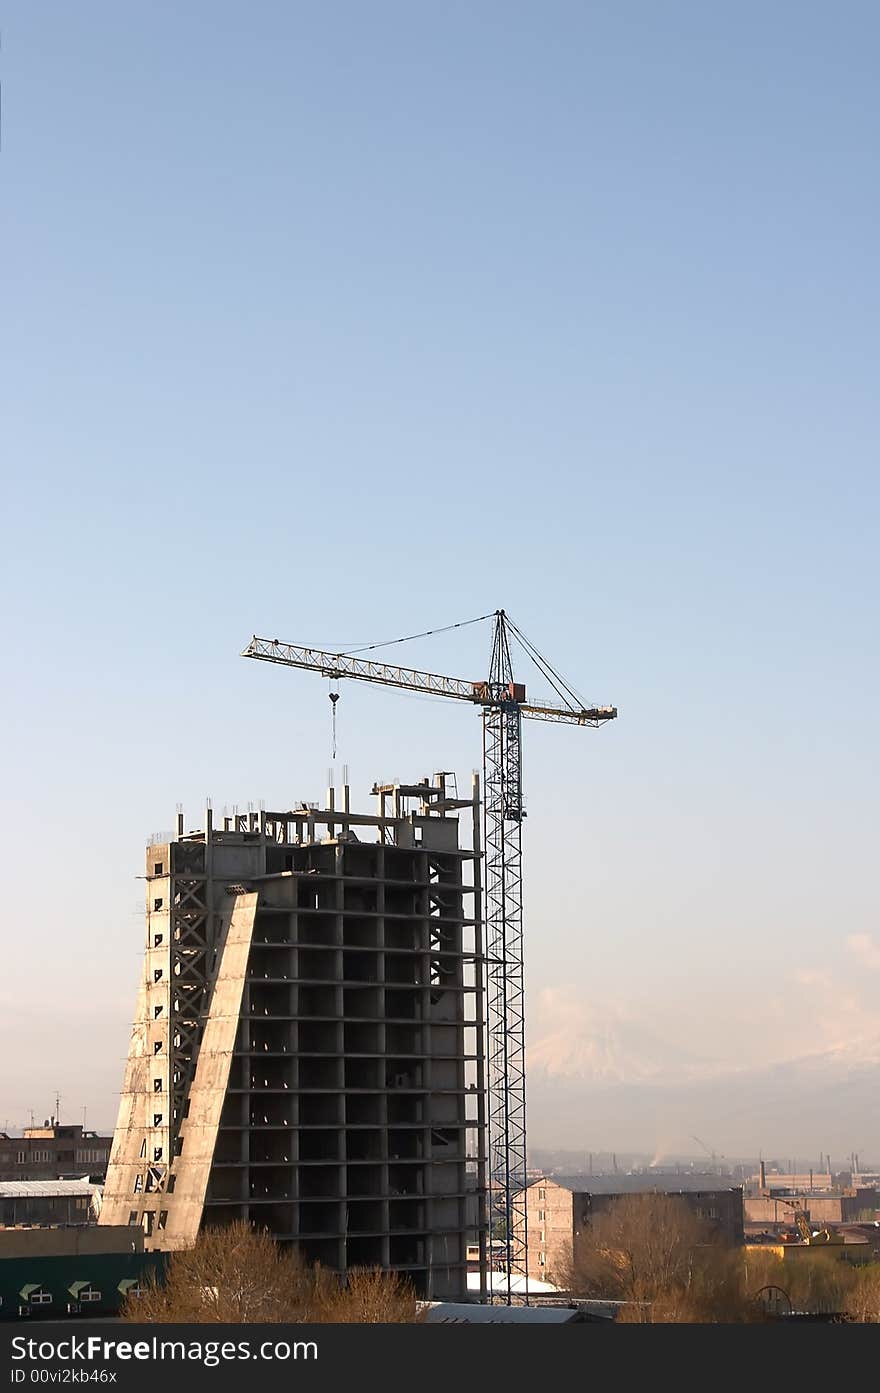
(614, 1050)
(625, 1086)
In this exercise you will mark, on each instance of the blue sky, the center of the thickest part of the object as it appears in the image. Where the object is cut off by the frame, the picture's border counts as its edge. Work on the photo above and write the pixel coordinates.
(338, 321)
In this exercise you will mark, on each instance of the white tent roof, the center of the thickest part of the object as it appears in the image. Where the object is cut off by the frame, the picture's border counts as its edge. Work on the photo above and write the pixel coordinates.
(497, 1282)
(47, 1189)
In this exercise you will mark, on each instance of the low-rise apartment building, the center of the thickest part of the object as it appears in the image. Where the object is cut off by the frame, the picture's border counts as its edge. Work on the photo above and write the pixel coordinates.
(54, 1152)
(559, 1218)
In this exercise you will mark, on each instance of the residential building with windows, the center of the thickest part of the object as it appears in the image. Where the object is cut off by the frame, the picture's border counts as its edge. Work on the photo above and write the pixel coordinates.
(559, 1219)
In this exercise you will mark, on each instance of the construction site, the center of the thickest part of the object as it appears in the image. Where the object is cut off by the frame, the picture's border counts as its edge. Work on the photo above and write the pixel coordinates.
(328, 1040)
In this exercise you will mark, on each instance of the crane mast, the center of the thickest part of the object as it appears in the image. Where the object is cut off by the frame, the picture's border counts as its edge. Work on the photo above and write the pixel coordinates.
(503, 932)
(503, 704)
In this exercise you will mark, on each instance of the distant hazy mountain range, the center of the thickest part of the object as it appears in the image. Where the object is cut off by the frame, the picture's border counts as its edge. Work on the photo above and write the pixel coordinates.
(622, 1087)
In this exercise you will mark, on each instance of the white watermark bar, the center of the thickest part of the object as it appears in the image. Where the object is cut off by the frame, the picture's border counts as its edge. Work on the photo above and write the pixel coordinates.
(35, 1351)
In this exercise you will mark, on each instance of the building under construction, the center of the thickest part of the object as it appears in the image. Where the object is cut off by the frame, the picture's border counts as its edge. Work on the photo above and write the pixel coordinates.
(307, 1051)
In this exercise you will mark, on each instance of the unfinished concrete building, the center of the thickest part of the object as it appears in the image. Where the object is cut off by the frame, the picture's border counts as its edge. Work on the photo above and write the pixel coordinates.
(307, 1051)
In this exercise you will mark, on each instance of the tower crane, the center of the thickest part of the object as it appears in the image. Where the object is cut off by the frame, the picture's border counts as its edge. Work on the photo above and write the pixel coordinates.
(707, 1149)
(503, 704)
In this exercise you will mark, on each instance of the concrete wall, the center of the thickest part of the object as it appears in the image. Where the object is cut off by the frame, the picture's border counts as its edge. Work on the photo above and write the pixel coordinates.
(135, 1100)
(53, 1242)
(198, 1132)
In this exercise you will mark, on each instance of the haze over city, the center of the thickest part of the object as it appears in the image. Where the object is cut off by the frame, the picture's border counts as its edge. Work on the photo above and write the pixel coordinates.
(348, 323)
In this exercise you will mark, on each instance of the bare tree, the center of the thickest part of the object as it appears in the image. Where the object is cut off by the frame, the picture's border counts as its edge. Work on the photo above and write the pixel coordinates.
(653, 1253)
(818, 1281)
(862, 1299)
(238, 1275)
(639, 1246)
(232, 1274)
(822, 1283)
(368, 1296)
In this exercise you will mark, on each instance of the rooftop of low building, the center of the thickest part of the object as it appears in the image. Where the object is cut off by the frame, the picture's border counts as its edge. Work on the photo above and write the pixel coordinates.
(47, 1189)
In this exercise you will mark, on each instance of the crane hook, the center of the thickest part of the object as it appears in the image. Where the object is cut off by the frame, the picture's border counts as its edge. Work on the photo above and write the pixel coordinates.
(334, 697)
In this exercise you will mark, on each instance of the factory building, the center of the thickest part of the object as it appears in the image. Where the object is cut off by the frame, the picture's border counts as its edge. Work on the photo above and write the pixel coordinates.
(307, 1050)
(778, 1210)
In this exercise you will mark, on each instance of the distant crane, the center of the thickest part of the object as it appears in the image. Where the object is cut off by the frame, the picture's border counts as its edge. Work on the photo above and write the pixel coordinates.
(503, 705)
(808, 1235)
(707, 1150)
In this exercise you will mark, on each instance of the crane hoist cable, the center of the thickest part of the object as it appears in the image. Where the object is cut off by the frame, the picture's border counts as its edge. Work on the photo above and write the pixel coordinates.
(334, 697)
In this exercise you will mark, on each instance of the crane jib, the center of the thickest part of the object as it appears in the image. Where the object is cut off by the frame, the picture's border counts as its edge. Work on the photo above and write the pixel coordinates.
(336, 666)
